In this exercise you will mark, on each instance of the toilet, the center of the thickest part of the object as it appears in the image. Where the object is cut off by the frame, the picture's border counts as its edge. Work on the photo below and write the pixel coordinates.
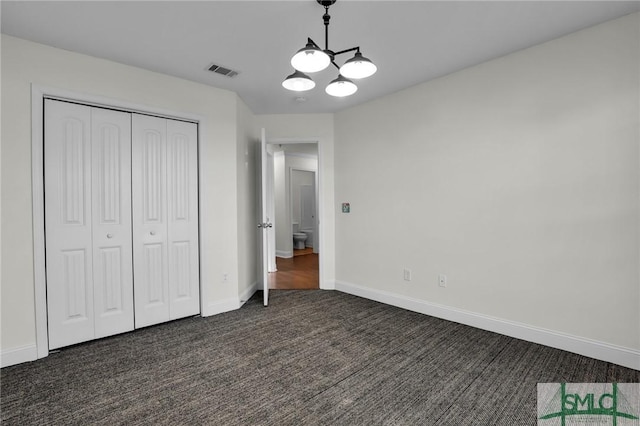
(298, 240)
(309, 234)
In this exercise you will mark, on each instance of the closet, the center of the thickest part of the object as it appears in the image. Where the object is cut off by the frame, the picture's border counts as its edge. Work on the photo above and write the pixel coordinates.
(121, 221)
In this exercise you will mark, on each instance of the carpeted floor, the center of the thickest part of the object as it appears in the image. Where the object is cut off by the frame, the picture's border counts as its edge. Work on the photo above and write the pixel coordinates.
(310, 358)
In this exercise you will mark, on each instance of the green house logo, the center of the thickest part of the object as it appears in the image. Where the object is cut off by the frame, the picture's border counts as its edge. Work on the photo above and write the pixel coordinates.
(616, 404)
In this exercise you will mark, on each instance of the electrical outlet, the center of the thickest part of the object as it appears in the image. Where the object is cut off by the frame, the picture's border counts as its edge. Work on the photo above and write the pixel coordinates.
(225, 278)
(442, 280)
(407, 274)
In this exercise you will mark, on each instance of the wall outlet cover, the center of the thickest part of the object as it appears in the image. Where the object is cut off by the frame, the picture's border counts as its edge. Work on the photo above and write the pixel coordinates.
(407, 274)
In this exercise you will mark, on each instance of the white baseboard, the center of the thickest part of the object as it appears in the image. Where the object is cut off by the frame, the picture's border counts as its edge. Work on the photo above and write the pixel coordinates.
(328, 285)
(594, 349)
(285, 254)
(221, 306)
(18, 355)
(248, 293)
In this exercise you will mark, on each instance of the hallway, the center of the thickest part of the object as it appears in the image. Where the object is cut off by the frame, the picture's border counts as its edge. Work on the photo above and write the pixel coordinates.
(296, 273)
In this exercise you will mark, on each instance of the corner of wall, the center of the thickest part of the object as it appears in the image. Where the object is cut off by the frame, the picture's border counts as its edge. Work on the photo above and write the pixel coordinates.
(246, 202)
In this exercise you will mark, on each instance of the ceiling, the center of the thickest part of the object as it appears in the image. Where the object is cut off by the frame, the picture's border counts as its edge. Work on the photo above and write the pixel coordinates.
(410, 41)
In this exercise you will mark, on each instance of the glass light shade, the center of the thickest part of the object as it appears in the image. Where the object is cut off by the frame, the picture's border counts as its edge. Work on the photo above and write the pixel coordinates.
(358, 67)
(310, 59)
(341, 87)
(298, 82)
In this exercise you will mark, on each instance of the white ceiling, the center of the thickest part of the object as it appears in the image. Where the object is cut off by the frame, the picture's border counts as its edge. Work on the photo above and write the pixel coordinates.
(410, 41)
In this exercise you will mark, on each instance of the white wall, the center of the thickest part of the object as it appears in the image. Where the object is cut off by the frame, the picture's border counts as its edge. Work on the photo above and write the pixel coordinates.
(517, 178)
(247, 206)
(318, 127)
(24, 63)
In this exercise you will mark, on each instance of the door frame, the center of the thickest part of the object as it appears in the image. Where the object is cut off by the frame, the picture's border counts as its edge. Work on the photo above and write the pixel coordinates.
(38, 95)
(321, 212)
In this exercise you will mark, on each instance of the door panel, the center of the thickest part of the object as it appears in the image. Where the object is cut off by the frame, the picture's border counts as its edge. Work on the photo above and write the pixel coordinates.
(154, 262)
(68, 223)
(75, 285)
(182, 184)
(109, 265)
(149, 195)
(111, 195)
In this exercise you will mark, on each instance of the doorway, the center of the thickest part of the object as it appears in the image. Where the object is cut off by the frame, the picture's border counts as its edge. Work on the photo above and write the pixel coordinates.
(294, 196)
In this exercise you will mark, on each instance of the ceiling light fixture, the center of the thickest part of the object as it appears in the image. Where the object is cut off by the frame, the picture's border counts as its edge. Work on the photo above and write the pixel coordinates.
(341, 87)
(298, 82)
(312, 59)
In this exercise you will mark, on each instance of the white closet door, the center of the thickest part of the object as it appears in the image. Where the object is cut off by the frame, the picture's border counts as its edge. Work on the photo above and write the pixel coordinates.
(149, 194)
(68, 219)
(121, 217)
(111, 193)
(182, 184)
(88, 222)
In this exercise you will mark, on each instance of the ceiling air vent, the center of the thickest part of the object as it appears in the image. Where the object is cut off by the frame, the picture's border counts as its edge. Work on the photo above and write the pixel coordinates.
(222, 70)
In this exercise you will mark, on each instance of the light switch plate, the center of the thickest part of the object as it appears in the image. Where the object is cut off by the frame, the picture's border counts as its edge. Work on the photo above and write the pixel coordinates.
(442, 280)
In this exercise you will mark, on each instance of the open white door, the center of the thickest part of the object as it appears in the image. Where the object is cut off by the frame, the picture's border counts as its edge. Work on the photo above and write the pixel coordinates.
(264, 223)
(271, 212)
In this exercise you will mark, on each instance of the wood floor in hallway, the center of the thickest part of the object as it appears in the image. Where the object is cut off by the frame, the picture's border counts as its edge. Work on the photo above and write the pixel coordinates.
(296, 273)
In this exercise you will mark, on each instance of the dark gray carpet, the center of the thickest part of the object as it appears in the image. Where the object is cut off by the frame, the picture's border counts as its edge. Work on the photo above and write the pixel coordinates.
(310, 358)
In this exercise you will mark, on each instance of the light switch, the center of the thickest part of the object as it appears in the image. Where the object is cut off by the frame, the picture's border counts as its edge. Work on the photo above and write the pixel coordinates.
(442, 280)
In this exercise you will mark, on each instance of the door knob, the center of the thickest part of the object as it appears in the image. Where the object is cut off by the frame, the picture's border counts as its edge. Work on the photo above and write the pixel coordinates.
(152, 232)
(109, 235)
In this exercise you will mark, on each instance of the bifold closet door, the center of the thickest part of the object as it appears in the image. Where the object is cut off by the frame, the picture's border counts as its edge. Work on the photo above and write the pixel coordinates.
(165, 219)
(87, 222)
(182, 184)
(111, 212)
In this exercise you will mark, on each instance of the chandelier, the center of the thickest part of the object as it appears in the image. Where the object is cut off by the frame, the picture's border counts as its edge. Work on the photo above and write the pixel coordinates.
(311, 59)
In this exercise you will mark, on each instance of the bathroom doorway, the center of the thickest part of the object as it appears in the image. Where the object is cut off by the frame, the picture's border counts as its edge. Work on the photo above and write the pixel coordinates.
(296, 202)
